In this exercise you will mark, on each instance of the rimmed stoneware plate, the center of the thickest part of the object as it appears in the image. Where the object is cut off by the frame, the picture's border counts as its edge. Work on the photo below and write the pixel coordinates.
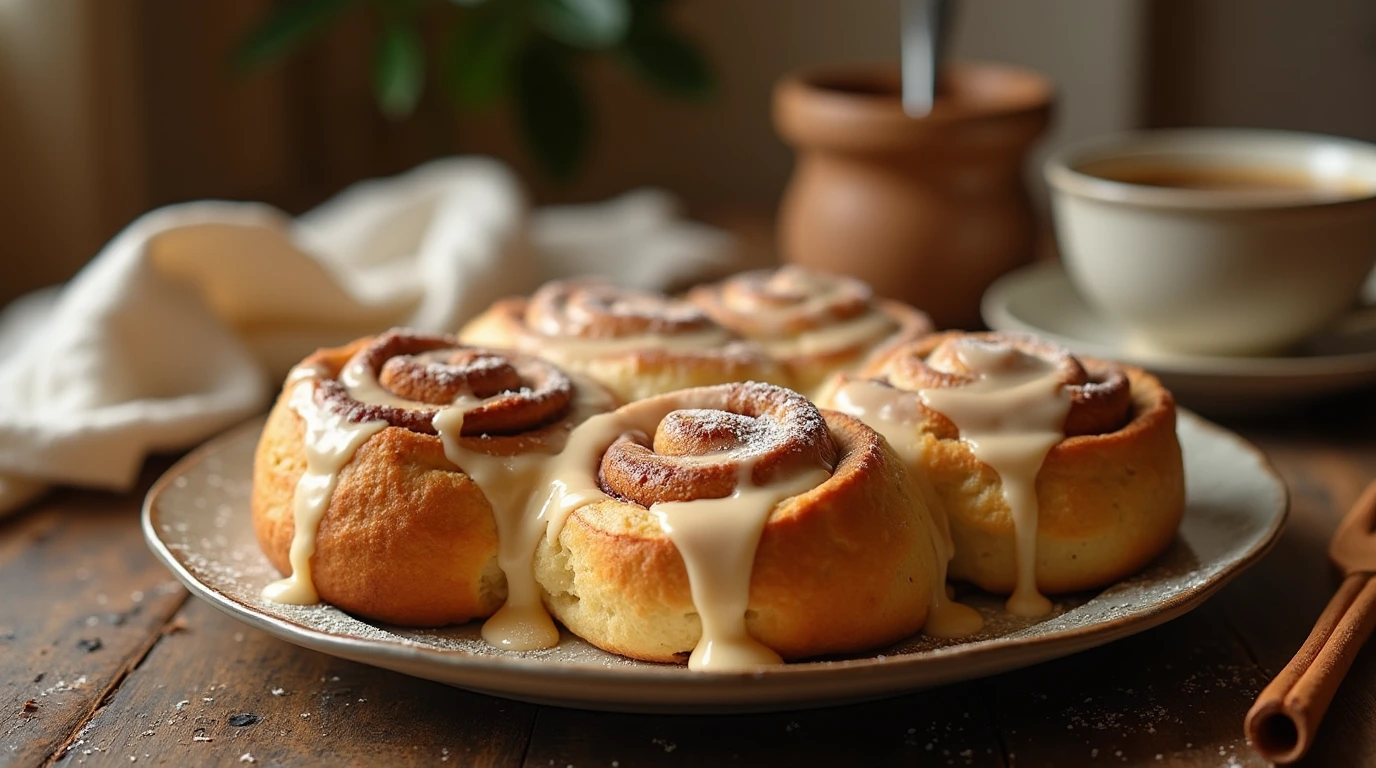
(1041, 299)
(197, 520)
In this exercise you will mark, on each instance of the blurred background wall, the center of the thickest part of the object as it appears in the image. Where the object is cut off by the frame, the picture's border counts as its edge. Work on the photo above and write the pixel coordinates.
(111, 107)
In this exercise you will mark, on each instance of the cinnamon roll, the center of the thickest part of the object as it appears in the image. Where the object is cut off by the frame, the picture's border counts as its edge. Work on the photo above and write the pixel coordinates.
(1057, 473)
(393, 475)
(637, 344)
(733, 526)
(814, 324)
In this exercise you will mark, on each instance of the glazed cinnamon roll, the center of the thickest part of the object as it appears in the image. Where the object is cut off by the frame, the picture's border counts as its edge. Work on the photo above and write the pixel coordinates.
(637, 344)
(1057, 473)
(814, 324)
(735, 525)
(393, 475)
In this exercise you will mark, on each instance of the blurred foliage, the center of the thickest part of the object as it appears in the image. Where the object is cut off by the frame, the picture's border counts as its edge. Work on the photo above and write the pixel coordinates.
(527, 51)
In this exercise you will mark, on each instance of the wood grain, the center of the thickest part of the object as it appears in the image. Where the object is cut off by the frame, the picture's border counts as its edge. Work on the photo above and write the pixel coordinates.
(946, 726)
(1174, 695)
(81, 600)
(216, 690)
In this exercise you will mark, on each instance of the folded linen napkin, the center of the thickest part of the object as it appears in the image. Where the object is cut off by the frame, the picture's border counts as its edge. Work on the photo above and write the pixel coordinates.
(187, 321)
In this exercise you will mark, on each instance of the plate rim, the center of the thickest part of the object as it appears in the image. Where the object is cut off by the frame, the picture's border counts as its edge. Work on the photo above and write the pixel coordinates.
(857, 671)
(995, 310)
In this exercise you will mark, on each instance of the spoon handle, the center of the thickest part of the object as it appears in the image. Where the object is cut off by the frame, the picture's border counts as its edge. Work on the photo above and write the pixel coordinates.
(922, 29)
(1282, 723)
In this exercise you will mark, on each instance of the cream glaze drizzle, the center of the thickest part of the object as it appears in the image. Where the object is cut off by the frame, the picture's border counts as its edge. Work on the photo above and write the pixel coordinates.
(509, 483)
(893, 413)
(362, 385)
(572, 475)
(868, 328)
(512, 486)
(301, 373)
(1012, 415)
(330, 442)
(717, 539)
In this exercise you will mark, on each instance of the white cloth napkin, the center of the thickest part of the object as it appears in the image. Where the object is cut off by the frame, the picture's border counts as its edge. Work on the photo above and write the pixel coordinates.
(187, 321)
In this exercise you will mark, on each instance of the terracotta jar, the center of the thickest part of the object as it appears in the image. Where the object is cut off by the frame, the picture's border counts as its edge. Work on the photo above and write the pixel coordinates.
(929, 210)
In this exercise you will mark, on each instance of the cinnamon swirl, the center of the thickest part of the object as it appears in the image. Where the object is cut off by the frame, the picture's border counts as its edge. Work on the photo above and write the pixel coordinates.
(736, 525)
(392, 477)
(637, 344)
(813, 324)
(1058, 473)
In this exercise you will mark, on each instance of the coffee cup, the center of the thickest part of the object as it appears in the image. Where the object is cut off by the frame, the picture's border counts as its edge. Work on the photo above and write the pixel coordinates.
(1216, 241)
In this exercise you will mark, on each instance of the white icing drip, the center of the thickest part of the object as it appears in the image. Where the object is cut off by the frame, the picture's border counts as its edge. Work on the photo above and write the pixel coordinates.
(330, 442)
(1012, 415)
(533, 493)
(865, 330)
(300, 373)
(893, 413)
(572, 475)
(509, 483)
(717, 539)
(520, 491)
(362, 385)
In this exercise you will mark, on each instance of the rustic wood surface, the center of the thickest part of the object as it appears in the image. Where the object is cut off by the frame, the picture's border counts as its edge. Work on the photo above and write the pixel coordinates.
(121, 668)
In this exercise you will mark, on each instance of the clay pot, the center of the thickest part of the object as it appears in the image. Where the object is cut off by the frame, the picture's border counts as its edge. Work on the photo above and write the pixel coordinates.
(930, 210)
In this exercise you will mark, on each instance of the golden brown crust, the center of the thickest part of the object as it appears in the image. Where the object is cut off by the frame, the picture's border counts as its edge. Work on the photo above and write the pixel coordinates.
(635, 354)
(1109, 503)
(406, 538)
(791, 310)
(846, 566)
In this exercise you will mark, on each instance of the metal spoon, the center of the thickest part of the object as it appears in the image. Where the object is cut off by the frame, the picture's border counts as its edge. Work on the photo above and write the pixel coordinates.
(924, 24)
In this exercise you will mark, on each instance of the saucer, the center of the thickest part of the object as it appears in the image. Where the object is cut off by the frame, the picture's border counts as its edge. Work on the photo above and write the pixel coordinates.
(1040, 299)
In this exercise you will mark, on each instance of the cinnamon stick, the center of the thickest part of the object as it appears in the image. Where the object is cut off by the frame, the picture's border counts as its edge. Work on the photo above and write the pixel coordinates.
(1282, 723)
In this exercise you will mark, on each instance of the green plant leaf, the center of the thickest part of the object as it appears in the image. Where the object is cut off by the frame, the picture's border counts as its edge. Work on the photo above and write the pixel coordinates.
(667, 59)
(289, 25)
(481, 57)
(592, 24)
(552, 110)
(398, 68)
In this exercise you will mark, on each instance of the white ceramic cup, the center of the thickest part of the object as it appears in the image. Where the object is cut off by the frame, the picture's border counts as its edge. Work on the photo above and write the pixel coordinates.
(1217, 271)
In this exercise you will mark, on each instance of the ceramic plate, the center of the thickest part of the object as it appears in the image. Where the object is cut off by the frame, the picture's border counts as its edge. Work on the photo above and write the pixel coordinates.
(1041, 300)
(197, 520)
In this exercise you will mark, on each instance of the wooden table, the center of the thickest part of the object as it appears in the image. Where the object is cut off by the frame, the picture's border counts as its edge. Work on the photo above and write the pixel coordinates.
(105, 661)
